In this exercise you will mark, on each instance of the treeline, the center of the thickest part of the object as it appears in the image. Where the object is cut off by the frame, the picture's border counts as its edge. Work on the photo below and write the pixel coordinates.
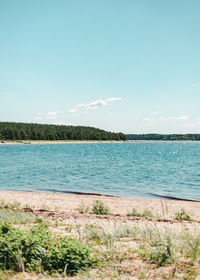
(164, 137)
(32, 131)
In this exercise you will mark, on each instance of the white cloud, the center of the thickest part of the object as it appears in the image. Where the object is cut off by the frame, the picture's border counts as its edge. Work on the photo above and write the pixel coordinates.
(147, 120)
(182, 118)
(94, 104)
(112, 99)
(52, 115)
(72, 111)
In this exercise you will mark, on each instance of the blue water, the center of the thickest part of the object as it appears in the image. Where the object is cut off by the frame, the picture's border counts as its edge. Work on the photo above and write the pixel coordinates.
(142, 169)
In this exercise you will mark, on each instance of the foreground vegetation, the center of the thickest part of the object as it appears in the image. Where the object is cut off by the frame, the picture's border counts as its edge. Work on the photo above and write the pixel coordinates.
(45, 248)
(31, 131)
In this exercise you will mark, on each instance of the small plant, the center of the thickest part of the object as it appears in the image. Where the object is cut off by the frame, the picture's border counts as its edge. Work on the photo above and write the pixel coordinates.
(99, 208)
(39, 220)
(146, 214)
(162, 254)
(182, 216)
(15, 217)
(159, 254)
(68, 228)
(98, 235)
(82, 208)
(45, 207)
(10, 205)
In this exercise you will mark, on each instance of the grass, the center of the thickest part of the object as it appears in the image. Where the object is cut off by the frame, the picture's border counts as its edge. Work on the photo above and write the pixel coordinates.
(123, 251)
(10, 205)
(182, 216)
(146, 214)
(99, 208)
(15, 217)
(82, 208)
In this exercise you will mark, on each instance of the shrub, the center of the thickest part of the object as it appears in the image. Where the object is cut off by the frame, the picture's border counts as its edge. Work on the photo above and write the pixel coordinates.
(99, 208)
(146, 214)
(82, 208)
(159, 254)
(37, 250)
(182, 216)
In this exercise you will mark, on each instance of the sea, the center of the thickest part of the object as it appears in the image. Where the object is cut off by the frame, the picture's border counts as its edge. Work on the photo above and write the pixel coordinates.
(139, 169)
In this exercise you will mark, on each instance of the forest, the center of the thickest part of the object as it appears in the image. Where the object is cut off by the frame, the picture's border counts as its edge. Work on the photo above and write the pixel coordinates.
(164, 137)
(32, 131)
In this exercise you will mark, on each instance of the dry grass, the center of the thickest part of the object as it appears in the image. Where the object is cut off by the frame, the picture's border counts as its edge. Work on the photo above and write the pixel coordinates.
(126, 247)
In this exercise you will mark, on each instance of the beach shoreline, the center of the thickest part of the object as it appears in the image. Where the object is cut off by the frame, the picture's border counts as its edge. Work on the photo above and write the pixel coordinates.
(46, 142)
(72, 215)
(118, 205)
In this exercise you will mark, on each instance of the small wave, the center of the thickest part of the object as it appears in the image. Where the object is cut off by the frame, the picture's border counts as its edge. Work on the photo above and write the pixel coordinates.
(75, 192)
(173, 197)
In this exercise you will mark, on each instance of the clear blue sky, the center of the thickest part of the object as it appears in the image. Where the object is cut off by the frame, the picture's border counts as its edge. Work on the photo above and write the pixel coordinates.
(120, 65)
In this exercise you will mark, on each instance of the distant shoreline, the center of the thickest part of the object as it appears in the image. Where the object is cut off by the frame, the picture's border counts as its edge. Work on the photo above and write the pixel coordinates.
(53, 142)
(47, 142)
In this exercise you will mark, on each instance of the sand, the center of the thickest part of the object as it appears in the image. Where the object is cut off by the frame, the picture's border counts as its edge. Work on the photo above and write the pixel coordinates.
(61, 212)
(119, 207)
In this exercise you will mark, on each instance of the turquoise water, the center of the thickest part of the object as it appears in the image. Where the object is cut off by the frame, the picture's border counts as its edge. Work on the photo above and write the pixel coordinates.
(143, 169)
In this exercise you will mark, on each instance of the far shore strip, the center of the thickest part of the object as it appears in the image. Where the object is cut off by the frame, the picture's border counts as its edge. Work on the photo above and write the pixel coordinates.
(38, 142)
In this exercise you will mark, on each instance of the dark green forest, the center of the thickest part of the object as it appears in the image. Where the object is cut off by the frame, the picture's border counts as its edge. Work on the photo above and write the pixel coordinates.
(164, 137)
(32, 131)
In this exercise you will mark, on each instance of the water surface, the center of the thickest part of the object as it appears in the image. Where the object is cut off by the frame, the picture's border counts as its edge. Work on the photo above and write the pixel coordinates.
(142, 169)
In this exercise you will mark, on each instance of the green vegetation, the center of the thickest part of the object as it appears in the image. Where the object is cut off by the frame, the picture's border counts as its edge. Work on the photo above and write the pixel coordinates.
(82, 208)
(164, 137)
(44, 248)
(37, 250)
(99, 208)
(30, 131)
(146, 214)
(15, 217)
(159, 253)
(182, 216)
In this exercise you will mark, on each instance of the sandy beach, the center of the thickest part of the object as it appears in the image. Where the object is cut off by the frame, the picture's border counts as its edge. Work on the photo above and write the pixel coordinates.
(46, 142)
(62, 211)
(64, 207)
(118, 205)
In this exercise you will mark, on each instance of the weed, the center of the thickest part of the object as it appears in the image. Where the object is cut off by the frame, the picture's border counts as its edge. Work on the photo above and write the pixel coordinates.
(15, 217)
(82, 208)
(182, 216)
(97, 235)
(45, 207)
(99, 208)
(10, 205)
(39, 220)
(159, 254)
(162, 254)
(68, 228)
(125, 231)
(146, 214)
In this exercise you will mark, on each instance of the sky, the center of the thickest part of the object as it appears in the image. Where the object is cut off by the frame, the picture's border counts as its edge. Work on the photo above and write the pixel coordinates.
(130, 66)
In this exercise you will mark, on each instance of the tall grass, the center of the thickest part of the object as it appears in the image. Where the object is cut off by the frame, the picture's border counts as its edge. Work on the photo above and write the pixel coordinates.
(15, 217)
